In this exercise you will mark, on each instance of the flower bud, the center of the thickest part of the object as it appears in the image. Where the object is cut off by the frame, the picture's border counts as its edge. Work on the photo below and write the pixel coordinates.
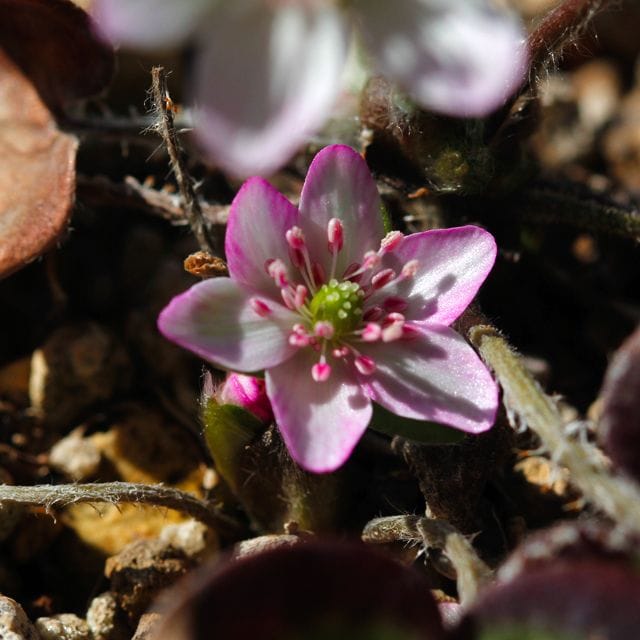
(246, 392)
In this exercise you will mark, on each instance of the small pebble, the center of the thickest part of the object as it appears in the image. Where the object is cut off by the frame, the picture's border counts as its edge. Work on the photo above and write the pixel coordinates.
(14, 624)
(194, 538)
(75, 456)
(64, 626)
(103, 619)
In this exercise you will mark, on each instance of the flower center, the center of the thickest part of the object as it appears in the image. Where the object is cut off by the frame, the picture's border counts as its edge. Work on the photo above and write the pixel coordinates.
(340, 304)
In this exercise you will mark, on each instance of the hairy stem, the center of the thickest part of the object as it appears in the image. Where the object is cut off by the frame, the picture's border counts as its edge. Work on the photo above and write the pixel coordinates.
(558, 29)
(165, 126)
(575, 205)
(524, 399)
(58, 496)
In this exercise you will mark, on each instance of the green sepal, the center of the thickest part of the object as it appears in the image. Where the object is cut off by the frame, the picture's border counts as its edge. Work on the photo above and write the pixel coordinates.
(228, 429)
(423, 431)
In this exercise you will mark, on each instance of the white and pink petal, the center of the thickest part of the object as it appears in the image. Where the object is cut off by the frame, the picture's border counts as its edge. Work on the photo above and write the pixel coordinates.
(339, 185)
(459, 57)
(320, 422)
(153, 24)
(217, 320)
(258, 221)
(451, 264)
(433, 376)
(266, 78)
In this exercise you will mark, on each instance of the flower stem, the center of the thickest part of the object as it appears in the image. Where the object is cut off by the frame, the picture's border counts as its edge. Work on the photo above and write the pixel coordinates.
(575, 205)
(57, 496)
(165, 126)
(525, 400)
(558, 29)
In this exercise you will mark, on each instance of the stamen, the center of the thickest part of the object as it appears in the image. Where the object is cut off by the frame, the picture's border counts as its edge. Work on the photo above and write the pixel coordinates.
(335, 235)
(341, 352)
(352, 271)
(317, 274)
(409, 332)
(391, 241)
(321, 371)
(323, 329)
(299, 336)
(372, 332)
(288, 297)
(383, 278)
(278, 271)
(365, 365)
(295, 238)
(371, 260)
(372, 314)
(410, 269)
(300, 296)
(259, 307)
(393, 327)
(394, 303)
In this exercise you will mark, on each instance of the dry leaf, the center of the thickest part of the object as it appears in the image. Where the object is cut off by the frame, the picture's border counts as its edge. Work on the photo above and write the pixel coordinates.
(37, 174)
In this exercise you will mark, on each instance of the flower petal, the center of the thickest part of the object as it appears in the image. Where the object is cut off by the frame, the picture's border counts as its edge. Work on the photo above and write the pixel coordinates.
(434, 376)
(460, 57)
(452, 264)
(266, 79)
(258, 221)
(321, 422)
(339, 185)
(215, 320)
(148, 23)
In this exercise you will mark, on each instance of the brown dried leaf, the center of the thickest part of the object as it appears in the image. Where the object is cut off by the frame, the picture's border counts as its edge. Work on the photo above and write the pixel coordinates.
(54, 44)
(37, 174)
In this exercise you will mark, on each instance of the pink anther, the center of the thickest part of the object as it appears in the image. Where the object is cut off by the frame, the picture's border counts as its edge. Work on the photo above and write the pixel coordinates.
(278, 271)
(295, 238)
(394, 303)
(260, 307)
(335, 235)
(372, 332)
(323, 329)
(365, 365)
(410, 269)
(300, 296)
(391, 241)
(321, 371)
(383, 278)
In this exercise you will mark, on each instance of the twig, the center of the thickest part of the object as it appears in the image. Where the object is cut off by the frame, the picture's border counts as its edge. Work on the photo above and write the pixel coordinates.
(526, 402)
(165, 126)
(100, 191)
(471, 572)
(57, 496)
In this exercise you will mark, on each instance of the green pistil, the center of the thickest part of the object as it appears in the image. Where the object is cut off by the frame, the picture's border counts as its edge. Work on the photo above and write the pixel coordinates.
(339, 303)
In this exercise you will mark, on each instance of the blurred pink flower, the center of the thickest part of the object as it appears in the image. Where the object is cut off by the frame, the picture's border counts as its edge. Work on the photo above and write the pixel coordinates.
(339, 318)
(267, 72)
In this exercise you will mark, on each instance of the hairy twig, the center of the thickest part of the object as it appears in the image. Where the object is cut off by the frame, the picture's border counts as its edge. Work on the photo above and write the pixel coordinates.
(58, 496)
(100, 191)
(530, 406)
(165, 126)
(575, 205)
(470, 571)
(558, 29)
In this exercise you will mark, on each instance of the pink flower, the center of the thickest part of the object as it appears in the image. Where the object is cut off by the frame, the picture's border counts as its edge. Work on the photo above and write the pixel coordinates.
(339, 318)
(267, 72)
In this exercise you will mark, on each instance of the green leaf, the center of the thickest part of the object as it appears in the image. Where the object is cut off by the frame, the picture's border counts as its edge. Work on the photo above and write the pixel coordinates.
(418, 430)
